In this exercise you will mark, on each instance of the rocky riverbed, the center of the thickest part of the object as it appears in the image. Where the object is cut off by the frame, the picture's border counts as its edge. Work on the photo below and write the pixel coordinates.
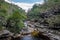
(30, 31)
(52, 34)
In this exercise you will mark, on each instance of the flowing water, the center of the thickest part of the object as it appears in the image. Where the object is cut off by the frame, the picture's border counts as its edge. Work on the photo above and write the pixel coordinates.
(30, 38)
(27, 37)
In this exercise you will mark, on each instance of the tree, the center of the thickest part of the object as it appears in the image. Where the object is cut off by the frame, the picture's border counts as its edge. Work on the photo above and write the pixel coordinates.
(11, 17)
(15, 22)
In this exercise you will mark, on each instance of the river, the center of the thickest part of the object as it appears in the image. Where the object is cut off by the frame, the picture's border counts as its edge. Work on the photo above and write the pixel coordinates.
(30, 38)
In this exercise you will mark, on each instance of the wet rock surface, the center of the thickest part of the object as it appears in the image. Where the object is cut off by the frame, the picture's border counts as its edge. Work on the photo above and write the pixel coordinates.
(44, 33)
(5, 35)
(52, 34)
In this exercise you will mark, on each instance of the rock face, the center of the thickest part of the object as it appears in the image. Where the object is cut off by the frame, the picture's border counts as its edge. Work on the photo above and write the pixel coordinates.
(47, 33)
(5, 35)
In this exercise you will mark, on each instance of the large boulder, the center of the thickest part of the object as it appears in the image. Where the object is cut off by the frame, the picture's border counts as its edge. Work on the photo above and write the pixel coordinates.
(5, 34)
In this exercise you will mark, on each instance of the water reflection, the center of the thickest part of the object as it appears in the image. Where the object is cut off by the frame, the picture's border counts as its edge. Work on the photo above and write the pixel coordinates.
(30, 38)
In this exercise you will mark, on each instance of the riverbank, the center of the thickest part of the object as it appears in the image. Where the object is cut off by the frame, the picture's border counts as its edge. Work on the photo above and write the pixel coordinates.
(32, 31)
(52, 34)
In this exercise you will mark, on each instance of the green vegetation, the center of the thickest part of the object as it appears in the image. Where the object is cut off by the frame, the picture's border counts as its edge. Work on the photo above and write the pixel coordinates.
(11, 17)
(47, 13)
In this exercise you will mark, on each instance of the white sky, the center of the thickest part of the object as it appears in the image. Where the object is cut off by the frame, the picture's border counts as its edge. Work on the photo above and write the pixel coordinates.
(24, 6)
